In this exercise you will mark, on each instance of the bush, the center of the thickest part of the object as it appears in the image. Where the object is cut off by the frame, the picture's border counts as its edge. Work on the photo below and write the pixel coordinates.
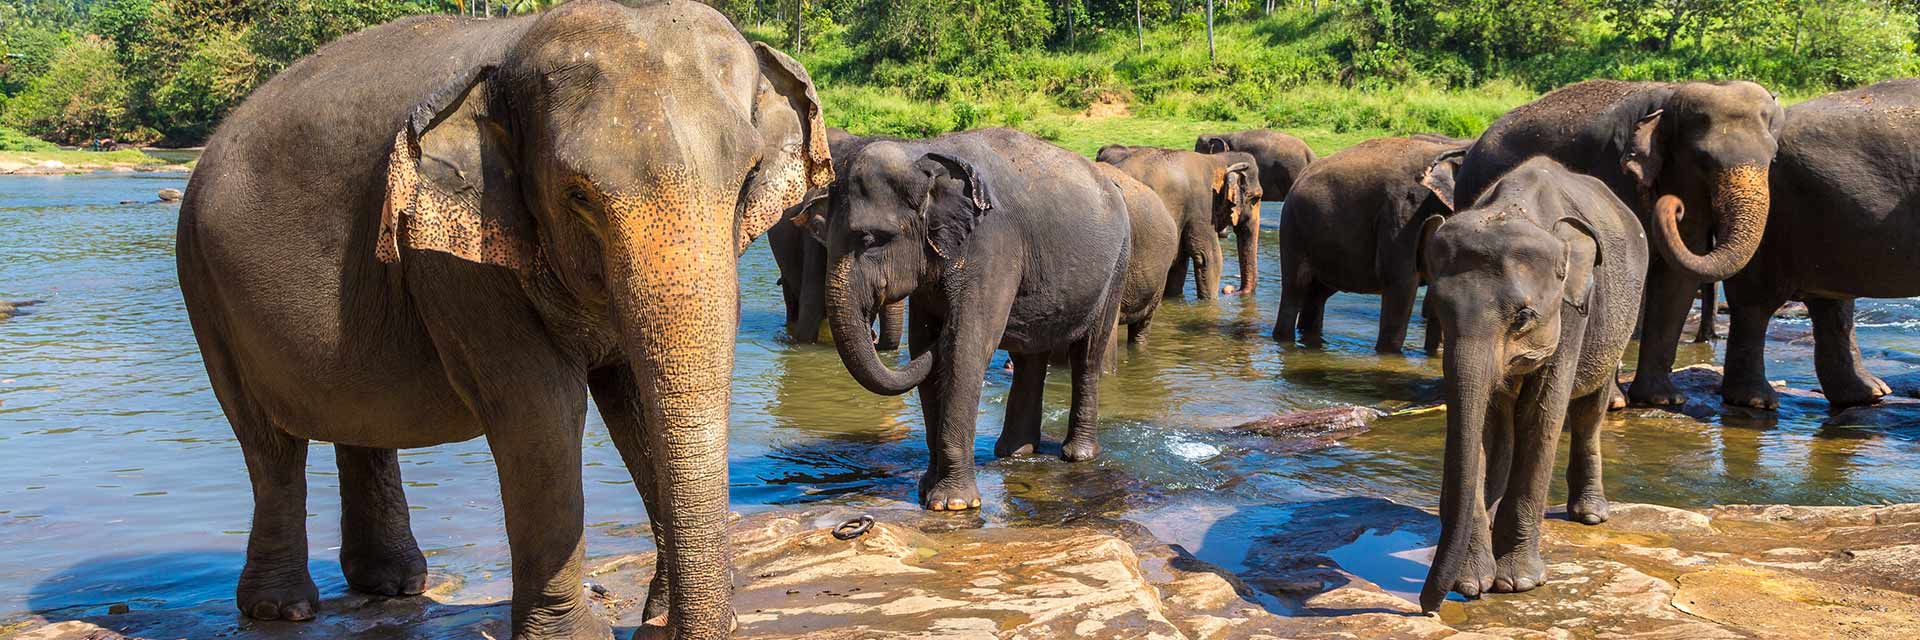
(12, 140)
(214, 77)
(82, 95)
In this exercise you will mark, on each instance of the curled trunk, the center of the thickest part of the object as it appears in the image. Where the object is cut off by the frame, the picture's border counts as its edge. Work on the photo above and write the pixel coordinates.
(1470, 369)
(852, 337)
(1740, 201)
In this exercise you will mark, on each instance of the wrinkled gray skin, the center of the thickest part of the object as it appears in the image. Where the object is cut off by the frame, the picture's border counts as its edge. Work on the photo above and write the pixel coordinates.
(1709, 145)
(802, 260)
(1846, 206)
(1536, 288)
(610, 206)
(1208, 194)
(1352, 224)
(1001, 241)
(1155, 245)
(1281, 159)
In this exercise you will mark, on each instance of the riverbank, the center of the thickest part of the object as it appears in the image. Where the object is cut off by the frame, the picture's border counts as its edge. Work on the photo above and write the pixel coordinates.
(69, 161)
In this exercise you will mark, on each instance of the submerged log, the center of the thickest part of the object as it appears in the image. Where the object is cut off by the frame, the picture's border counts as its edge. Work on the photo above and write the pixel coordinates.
(1339, 421)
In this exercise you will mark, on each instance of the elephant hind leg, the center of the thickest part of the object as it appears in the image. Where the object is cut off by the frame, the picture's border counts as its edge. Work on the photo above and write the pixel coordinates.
(1586, 494)
(377, 551)
(274, 584)
(1021, 431)
(1836, 355)
(1313, 314)
(1089, 357)
(1296, 280)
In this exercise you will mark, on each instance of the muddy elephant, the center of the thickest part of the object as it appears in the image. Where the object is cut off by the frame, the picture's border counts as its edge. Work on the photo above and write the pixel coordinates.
(1536, 287)
(1843, 226)
(530, 211)
(1709, 145)
(1155, 245)
(1281, 159)
(1208, 194)
(1352, 224)
(802, 260)
(998, 240)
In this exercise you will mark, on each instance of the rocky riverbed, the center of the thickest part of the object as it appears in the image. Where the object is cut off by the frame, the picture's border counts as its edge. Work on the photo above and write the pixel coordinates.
(1651, 572)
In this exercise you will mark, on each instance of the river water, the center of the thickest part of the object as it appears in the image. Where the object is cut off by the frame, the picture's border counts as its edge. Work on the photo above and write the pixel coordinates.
(120, 480)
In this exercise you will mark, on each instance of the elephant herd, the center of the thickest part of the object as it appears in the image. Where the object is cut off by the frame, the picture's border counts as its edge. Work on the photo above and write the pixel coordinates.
(550, 208)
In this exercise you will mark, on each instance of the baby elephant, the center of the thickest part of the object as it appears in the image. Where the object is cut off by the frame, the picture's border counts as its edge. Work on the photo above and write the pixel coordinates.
(999, 241)
(1535, 288)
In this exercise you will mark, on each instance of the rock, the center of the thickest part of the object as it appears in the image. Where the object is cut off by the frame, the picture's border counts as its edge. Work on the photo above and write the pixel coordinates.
(171, 195)
(52, 165)
(11, 309)
(1891, 412)
(118, 608)
(1334, 422)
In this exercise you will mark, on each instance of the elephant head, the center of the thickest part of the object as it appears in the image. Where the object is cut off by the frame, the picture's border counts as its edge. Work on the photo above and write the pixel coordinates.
(1706, 147)
(1212, 144)
(900, 219)
(1502, 282)
(592, 164)
(1113, 153)
(1236, 189)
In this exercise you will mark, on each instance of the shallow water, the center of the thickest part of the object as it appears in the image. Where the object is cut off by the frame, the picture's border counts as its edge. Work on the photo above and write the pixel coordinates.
(120, 481)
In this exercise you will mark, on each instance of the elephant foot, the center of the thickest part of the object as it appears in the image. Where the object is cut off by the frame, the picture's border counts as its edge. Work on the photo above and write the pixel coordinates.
(657, 628)
(1618, 400)
(1010, 446)
(1756, 394)
(1857, 389)
(1655, 391)
(954, 495)
(280, 593)
(1079, 449)
(1519, 572)
(1386, 349)
(577, 623)
(1587, 509)
(1470, 578)
(400, 571)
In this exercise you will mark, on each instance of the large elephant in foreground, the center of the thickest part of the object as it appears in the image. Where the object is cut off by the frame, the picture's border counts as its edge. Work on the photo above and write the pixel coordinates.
(528, 211)
(1208, 194)
(1352, 224)
(802, 260)
(1845, 222)
(1709, 145)
(1281, 159)
(1536, 287)
(998, 240)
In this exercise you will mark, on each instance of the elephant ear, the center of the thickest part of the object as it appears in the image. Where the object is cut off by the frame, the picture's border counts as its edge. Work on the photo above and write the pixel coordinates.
(451, 185)
(1438, 178)
(811, 214)
(1112, 154)
(955, 201)
(794, 156)
(1229, 185)
(1583, 258)
(1420, 243)
(1643, 158)
(1213, 144)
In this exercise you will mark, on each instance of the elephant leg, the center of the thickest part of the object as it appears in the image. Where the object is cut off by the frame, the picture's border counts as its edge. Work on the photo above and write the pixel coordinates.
(1313, 314)
(1396, 312)
(1089, 358)
(812, 293)
(275, 584)
(891, 321)
(1177, 274)
(1745, 383)
(536, 444)
(1137, 332)
(968, 344)
(1430, 328)
(1296, 279)
(1836, 356)
(1669, 296)
(1586, 494)
(615, 393)
(1540, 414)
(1022, 429)
(1706, 331)
(377, 551)
(1498, 442)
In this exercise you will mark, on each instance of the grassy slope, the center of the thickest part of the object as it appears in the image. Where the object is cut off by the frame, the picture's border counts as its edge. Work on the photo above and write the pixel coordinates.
(19, 148)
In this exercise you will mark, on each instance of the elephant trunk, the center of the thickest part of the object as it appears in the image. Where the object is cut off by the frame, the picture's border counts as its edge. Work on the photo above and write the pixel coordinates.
(1470, 367)
(852, 337)
(674, 295)
(892, 322)
(1246, 237)
(1740, 202)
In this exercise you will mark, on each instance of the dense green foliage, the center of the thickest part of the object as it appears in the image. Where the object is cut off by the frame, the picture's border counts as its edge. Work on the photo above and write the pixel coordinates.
(147, 70)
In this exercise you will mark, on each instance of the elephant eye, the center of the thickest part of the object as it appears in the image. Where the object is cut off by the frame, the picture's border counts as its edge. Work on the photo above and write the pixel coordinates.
(578, 196)
(866, 239)
(1524, 319)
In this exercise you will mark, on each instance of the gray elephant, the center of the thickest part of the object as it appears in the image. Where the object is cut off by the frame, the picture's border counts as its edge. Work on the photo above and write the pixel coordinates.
(1155, 245)
(505, 224)
(1208, 194)
(1281, 160)
(1536, 287)
(999, 240)
(1707, 144)
(1842, 226)
(1352, 224)
(802, 260)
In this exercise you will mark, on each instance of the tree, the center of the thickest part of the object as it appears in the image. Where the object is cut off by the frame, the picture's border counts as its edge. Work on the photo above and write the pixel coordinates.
(82, 95)
(1210, 55)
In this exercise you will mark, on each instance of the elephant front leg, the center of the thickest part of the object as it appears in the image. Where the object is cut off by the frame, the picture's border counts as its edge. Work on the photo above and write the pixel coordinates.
(1586, 494)
(1021, 433)
(1541, 412)
(1745, 383)
(616, 394)
(1836, 356)
(1669, 296)
(1396, 312)
(537, 454)
(377, 551)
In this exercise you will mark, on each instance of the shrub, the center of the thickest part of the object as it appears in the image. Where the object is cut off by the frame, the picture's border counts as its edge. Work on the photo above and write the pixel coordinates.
(82, 95)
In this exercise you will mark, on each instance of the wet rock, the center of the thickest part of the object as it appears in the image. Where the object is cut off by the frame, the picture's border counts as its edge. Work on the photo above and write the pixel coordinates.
(170, 195)
(1891, 412)
(1328, 422)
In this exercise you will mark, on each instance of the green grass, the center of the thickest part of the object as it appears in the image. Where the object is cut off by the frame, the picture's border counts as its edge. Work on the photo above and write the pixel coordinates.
(81, 159)
(14, 140)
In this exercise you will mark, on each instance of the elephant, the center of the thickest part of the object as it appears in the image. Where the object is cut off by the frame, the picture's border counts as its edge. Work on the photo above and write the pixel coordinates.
(1155, 245)
(1843, 185)
(1208, 194)
(1281, 159)
(1707, 144)
(998, 240)
(1351, 225)
(532, 210)
(1536, 288)
(802, 260)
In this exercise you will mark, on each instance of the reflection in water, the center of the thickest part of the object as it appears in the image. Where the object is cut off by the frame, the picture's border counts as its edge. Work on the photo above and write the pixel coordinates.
(111, 443)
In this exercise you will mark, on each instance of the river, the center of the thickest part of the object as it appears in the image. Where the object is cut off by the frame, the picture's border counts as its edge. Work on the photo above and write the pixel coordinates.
(120, 480)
